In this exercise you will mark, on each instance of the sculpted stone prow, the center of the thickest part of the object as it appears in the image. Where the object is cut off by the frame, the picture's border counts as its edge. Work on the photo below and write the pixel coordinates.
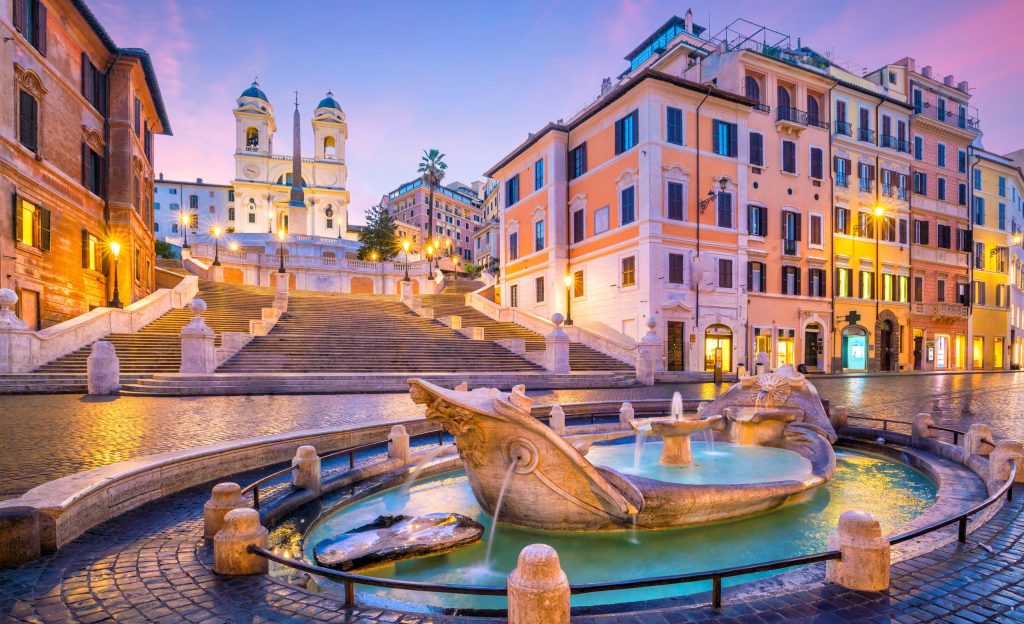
(784, 388)
(553, 485)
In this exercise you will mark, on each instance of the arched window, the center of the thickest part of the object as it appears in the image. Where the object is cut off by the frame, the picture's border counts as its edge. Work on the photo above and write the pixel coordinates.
(330, 148)
(782, 97)
(252, 139)
(812, 109)
(751, 88)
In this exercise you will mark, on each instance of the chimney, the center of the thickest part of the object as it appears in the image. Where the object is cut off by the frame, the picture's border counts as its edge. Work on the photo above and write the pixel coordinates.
(199, 180)
(926, 71)
(909, 62)
(161, 175)
(948, 80)
(962, 86)
(606, 85)
(688, 21)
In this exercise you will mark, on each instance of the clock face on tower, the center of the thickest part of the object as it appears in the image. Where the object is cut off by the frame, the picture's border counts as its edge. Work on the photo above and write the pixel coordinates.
(251, 171)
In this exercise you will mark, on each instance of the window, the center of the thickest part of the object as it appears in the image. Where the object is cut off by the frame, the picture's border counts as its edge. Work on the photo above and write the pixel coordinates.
(904, 285)
(1002, 186)
(961, 161)
(578, 225)
(1002, 216)
(977, 179)
(842, 221)
(94, 85)
(963, 239)
(92, 170)
(866, 174)
(918, 148)
(137, 119)
(28, 120)
(940, 290)
(724, 134)
(941, 155)
(918, 288)
(724, 273)
(888, 287)
(842, 169)
(578, 161)
(867, 285)
(918, 102)
(817, 228)
(756, 277)
(757, 149)
(812, 110)
(674, 125)
(790, 280)
(961, 194)
(512, 191)
(674, 198)
(538, 235)
(231, 215)
(538, 174)
(979, 256)
(817, 163)
(513, 295)
(865, 225)
(627, 205)
(513, 245)
(629, 271)
(30, 21)
(601, 220)
(676, 268)
(979, 210)
(577, 284)
(920, 183)
(790, 232)
(751, 88)
(789, 156)
(941, 188)
(942, 236)
(979, 293)
(757, 220)
(627, 134)
(920, 232)
(539, 286)
(725, 210)
(816, 282)
(31, 224)
(844, 282)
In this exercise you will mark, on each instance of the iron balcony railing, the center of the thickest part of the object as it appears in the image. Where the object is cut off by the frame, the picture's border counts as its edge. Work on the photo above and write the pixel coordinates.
(843, 180)
(761, 106)
(844, 127)
(866, 185)
(953, 118)
(785, 113)
(866, 134)
(789, 247)
(901, 145)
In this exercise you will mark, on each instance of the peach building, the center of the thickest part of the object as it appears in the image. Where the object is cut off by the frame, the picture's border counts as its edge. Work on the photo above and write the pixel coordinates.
(76, 164)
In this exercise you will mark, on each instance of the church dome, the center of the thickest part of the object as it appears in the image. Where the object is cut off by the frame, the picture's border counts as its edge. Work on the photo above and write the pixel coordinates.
(254, 91)
(329, 102)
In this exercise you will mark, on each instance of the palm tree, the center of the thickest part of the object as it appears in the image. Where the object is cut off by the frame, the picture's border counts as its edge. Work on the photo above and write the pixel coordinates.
(432, 168)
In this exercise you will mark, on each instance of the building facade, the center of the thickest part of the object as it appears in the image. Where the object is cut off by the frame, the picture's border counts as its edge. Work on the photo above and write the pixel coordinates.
(457, 216)
(202, 205)
(487, 237)
(76, 165)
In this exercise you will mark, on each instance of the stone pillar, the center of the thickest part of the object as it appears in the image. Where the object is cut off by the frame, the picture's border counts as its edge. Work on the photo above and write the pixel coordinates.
(456, 321)
(978, 440)
(404, 291)
(282, 284)
(198, 353)
(557, 419)
(1006, 451)
(538, 590)
(225, 497)
(398, 444)
(19, 536)
(306, 469)
(865, 562)
(231, 554)
(15, 337)
(626, 413)
(648, 354)
(921, 428)
(556, 350)
(103, 369)
(839, 416)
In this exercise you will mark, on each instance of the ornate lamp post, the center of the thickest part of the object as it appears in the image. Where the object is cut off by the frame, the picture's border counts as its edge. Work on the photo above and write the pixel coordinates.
(280, 249)
(405, 247)
(270, 221)
(115, 250)
(568, 298)
(430, 252)
(186, 221)
(216, 245)
(375, 257)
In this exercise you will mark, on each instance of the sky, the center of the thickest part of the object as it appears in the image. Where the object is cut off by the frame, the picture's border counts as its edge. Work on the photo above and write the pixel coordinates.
(474, 77)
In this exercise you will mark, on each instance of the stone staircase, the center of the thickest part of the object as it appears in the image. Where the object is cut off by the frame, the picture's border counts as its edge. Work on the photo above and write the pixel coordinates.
(452, 300)
(349, 333)
(157, 347)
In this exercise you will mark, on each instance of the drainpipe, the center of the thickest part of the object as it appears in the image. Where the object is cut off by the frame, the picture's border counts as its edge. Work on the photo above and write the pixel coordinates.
(106, 157)
(832, 250)
(910, 256)
(568, 235)
(696, 289)
(878, 273)
(974, 160)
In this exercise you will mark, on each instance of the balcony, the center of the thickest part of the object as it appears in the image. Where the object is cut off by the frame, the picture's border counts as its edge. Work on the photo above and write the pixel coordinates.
(888, 190)
(900, 145)
(866, 186)
(842, 179)
(764, 108)
(796, 120)
(949, 312)
(844, 128)
(789, 247)
(252, 148)
(866, 134)
(955, 119)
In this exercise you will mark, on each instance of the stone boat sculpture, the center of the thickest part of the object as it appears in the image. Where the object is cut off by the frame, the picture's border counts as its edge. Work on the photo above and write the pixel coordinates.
(549, 483)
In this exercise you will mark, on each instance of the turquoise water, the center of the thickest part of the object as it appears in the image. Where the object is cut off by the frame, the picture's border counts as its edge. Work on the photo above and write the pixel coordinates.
(893, 492)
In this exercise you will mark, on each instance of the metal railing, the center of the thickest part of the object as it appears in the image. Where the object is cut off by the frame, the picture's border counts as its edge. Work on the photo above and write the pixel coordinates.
(785, 113)
(715, 576)
(866, 134)
(844, 127)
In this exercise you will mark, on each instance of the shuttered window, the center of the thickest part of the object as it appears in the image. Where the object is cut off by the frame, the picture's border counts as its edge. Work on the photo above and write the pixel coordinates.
(676, 268)
(627, 133)
(578, 161)
(674, 201)
(817, 166)
(578, 226)
(94, 85)
(757, 149)
(789, 156)
(724, 273)
(30, 20)
(756, 277)
(31, 224)
(674, 126)
(28, 120)
(724, 138)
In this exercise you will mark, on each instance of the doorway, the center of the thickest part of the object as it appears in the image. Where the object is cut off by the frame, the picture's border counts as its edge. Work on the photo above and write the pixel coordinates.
(855, 348)
(812, 346)
(676, 346)
(28, 308)
(718, 347)
(885, 360)
(918, 349)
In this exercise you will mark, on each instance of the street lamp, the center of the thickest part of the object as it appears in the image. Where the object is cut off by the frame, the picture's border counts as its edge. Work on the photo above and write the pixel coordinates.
(405, 247)
(722, 185)
(115, 250)
(216, 245)
(233, 246)
(568, 298)
(1016, 239)
(270, 221)
(455, 261)
(280, 249)
(186, 220)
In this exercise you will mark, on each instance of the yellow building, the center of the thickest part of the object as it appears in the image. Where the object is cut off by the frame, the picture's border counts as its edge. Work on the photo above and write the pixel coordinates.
(995, 200)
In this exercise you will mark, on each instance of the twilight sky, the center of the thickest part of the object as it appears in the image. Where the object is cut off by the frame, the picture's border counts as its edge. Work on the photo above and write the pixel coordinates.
(472, 77)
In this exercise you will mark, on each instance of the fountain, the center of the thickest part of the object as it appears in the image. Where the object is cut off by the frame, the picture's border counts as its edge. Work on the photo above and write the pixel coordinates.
(675, 431)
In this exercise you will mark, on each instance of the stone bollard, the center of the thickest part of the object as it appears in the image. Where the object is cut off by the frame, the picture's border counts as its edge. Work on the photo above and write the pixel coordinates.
(231, 554)
(839, 416)
(306, 469)
(556, 348)
(19, 536)
(456, 321)
(538, 590)
(978, 440)
(282, 283)
(557, 419)
(398, 444)
(648, 354)
(999, 462)
(198, 352)
(921, 428)
(103, 369)
(865, 551)
(16, 339)
(626, 413)
(405, 291)
(225, 497)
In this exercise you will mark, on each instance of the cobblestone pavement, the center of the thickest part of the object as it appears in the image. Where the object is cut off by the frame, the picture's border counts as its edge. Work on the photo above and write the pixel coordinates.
(43, 437)
(152, 565)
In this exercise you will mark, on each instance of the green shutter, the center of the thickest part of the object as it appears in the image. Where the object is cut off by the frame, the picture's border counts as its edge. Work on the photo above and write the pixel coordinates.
(44, 229)
(85, 249)
(16, 207)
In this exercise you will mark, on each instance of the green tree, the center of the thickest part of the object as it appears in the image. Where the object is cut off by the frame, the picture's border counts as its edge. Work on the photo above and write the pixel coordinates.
(379, 236)
(164, 249)
(432, 168)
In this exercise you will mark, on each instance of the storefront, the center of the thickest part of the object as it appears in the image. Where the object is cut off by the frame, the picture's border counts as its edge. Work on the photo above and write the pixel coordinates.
(718, 347)
(855, 348)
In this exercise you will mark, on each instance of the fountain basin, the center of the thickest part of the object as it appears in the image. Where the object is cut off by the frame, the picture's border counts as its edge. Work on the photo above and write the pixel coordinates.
(676, 432)
(760, 425)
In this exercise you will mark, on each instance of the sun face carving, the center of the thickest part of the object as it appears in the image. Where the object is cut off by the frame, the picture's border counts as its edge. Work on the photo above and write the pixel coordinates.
(771, 389)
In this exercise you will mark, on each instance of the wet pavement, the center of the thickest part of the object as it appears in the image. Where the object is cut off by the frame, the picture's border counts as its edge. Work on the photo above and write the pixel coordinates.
(43, 437)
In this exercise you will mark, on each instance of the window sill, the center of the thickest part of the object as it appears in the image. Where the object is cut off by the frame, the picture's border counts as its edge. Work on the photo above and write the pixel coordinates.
(29, 249)
(792, 174)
